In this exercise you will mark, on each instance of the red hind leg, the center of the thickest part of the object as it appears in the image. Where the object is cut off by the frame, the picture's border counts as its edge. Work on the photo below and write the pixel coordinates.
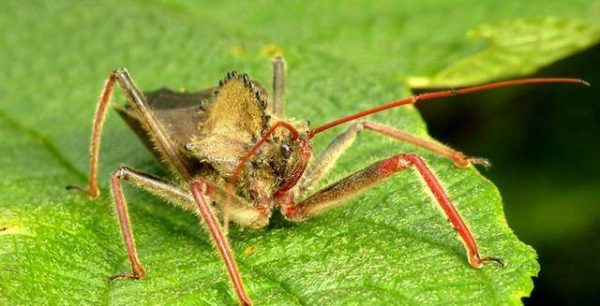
(335, 194)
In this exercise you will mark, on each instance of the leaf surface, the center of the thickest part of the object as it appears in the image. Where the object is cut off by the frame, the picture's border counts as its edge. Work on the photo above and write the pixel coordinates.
(389, 245)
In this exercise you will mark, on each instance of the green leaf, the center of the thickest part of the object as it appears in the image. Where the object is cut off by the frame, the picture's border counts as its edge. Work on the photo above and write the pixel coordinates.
(389, 245)
(516, 47)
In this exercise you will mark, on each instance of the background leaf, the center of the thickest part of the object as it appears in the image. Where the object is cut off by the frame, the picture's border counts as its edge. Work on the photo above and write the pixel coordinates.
(387, 246)
(516, 47)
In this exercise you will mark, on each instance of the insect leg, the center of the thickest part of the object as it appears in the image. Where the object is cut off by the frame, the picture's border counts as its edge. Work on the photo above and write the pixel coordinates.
(278, 86)
(199, 189)
(194, 201)
(459, 159)
(149, 183)
(99, 117)
(335, 194)
(325, 161)
(137, 101)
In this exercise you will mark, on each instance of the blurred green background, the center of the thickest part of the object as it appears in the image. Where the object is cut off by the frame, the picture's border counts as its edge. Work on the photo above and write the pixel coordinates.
(545, 144)
(543, 140)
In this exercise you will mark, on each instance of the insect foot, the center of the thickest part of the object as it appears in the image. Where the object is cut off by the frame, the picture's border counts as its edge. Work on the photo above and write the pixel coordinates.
(462, 161)
(478, 263)
(92, 193)
(135, 275)
(484, 162)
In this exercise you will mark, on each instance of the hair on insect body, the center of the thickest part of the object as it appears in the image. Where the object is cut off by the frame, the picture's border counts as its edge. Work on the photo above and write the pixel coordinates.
(236, 157)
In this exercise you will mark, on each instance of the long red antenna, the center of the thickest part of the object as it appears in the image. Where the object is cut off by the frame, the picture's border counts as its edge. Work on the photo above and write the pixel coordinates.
(439, 94)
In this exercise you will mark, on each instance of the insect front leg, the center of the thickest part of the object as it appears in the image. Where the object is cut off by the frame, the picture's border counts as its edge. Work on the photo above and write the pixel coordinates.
(342, 142)
(335, 194)
(137, 100)
(199, 190)
(193, 200)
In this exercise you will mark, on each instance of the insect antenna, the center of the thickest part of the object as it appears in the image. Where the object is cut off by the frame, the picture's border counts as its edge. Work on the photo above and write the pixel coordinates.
(440, 94)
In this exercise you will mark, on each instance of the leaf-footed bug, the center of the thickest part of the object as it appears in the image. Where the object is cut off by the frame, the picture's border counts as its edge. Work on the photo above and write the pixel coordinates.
(239, 159)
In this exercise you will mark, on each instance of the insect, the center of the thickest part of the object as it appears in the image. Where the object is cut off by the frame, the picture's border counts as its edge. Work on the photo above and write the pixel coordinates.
(237, 158)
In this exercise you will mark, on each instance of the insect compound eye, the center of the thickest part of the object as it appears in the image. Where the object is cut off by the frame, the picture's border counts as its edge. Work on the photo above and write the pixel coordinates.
(286, 151)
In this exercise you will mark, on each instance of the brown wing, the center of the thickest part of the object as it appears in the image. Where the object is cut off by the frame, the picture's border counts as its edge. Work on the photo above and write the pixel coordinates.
(179, 114)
